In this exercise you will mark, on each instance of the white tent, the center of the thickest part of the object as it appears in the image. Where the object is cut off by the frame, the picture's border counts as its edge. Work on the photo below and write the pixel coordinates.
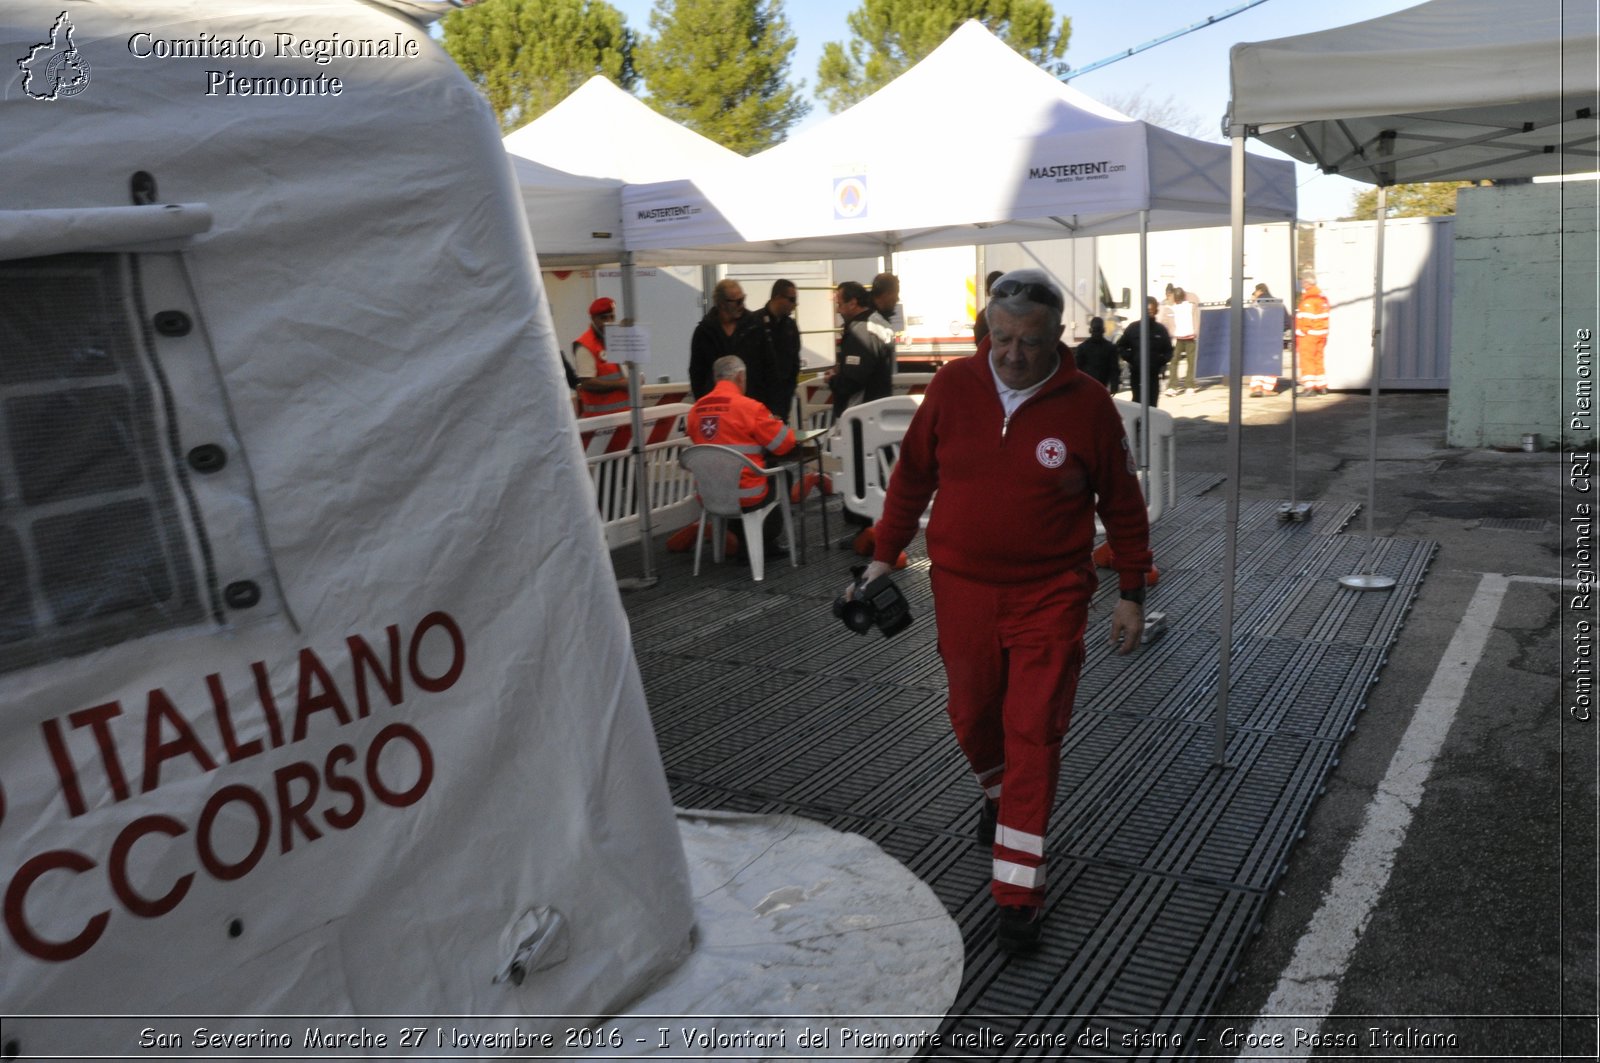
(573, 160)
(318, 698)
(602, 131)
(1446, 90)
(574, 220)
(973, 145)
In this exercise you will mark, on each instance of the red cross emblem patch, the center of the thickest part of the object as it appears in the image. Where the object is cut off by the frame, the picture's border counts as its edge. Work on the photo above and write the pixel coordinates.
(708, 426)
(1051, 452)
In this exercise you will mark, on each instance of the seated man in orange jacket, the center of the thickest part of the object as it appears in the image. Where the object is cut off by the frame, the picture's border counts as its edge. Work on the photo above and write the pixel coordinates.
(729, 418)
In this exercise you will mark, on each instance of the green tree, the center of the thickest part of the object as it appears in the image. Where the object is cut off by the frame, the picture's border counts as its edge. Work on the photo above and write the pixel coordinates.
(721, 68)
(1429, 199)
(891, 35)
(526, 56)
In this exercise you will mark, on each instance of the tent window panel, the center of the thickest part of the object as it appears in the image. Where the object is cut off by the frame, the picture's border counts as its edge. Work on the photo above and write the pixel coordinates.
(102, 561)
(16, 607)
(74, 443)
(40, 346)
(96, 546)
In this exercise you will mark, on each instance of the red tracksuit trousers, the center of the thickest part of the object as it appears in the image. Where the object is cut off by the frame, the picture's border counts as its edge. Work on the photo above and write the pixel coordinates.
(1012, 653)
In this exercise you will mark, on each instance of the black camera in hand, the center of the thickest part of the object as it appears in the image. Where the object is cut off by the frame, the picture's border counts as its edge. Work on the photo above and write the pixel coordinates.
(877, 603)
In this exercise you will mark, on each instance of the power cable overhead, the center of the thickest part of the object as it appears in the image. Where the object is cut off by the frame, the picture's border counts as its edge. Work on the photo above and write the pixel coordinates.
(1210, 20)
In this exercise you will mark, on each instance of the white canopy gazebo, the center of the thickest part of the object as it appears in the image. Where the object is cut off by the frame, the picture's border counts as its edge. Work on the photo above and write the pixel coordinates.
(1446, 90)
(572, 161)
(1036, 159)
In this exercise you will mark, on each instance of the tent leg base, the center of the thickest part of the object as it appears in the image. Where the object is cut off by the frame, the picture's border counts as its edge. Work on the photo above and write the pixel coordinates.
(1367, 582)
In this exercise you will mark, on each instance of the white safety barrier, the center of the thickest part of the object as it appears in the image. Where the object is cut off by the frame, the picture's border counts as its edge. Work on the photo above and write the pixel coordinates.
(864, 446)
(816, 398)
(613, 432)
(670, 487)
(867, 441)
(1160, 481)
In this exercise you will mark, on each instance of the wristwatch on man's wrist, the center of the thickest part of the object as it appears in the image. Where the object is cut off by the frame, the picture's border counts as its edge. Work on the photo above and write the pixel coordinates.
(1133, 594)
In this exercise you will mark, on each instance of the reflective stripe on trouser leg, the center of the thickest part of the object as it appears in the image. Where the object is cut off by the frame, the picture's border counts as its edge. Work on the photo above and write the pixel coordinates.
(990, 781)
(1020, 877)
(1014, 652)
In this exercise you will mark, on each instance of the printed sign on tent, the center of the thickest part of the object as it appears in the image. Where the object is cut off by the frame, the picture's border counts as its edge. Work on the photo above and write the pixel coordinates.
(850, 197)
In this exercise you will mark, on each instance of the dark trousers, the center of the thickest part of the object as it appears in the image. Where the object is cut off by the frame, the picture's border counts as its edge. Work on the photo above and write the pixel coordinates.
(1133, 384)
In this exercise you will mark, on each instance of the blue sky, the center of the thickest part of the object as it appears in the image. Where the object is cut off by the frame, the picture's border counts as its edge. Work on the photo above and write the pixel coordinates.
(1192, 69)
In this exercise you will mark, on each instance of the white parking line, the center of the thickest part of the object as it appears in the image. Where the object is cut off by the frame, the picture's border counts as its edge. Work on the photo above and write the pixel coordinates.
(1310, 983)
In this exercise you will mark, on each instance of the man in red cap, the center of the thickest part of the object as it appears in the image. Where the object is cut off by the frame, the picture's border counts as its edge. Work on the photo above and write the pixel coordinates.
(602, 385)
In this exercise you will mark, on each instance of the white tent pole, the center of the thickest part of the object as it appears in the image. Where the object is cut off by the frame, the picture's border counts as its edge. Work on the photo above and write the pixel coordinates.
(1147, 385)
(1230, 543)
(640, 472)
(1294, 366)
(980, 262)
(1366, 580)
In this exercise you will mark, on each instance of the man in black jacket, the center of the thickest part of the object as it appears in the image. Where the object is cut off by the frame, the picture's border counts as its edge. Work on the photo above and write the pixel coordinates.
(1160, 351)
(783, 340)
(864, 346)
(1097, 356)
(729, 329)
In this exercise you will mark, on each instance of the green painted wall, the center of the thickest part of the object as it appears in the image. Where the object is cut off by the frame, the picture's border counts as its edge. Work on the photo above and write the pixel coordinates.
(1525, 292)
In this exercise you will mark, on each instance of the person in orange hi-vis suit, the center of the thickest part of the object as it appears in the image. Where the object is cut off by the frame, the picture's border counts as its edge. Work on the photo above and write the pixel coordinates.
(1311, 336)
(726, 416)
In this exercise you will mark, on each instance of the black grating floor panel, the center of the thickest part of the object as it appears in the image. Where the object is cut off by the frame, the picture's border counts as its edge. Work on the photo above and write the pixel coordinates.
(1159, 860)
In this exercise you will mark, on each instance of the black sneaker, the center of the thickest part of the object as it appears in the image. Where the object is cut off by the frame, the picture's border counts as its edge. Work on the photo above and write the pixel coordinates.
(1019, 928)
(986, 820)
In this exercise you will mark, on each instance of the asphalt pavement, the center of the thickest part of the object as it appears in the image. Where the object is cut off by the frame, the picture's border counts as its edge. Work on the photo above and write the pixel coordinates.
(1443, 901)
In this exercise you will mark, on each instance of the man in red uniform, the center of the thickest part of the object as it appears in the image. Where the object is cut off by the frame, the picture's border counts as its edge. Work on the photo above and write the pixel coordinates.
(727, 416)
(602, 385)
(1311, 337)
(1023, 450)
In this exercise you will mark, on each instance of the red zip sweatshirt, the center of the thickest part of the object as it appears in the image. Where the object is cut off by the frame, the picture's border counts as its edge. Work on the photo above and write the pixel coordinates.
(1016, 499)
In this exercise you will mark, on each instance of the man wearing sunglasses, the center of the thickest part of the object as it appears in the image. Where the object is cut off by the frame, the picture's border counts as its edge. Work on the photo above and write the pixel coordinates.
(728, 328)
(1023, 451)
(783, 340)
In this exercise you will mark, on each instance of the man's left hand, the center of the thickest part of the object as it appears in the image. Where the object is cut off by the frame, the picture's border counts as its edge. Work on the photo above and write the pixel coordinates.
(1127, 626)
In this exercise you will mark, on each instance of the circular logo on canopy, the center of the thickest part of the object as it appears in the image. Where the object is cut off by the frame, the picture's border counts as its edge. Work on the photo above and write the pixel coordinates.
(850, 197)
(1051, 452)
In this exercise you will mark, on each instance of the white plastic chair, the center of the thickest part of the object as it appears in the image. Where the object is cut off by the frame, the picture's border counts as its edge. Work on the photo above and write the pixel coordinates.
(716, 471)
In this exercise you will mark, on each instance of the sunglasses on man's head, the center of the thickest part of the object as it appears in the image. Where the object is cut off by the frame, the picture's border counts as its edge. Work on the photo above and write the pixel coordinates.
(1032, 291)
(731, 302)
